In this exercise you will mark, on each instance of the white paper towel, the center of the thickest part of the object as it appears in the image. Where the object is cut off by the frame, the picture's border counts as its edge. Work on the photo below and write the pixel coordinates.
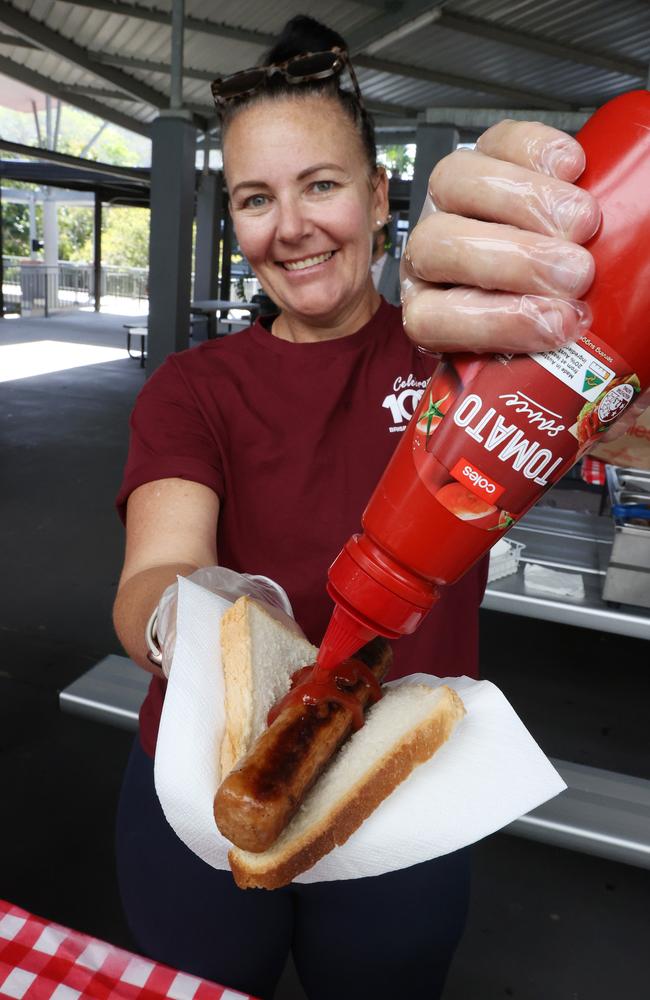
(488, 774)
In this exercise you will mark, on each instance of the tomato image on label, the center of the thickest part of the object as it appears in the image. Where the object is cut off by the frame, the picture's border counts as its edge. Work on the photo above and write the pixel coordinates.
(466, 506)
(458, 500)
(594, 418)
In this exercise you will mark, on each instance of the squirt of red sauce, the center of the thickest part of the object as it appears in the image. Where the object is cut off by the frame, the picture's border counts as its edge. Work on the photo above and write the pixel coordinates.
(314, 686)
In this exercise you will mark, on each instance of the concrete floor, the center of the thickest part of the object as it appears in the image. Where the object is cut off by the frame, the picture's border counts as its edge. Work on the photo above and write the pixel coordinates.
(545, 924)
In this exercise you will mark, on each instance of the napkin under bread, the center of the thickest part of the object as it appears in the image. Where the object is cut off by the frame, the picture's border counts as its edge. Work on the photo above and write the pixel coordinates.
(489, 773)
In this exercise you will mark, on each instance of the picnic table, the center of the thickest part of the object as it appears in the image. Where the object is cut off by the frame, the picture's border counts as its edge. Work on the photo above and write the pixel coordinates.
(212, 309)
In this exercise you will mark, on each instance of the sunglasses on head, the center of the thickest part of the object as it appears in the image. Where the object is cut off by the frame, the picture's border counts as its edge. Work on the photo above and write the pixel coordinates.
(299, 69)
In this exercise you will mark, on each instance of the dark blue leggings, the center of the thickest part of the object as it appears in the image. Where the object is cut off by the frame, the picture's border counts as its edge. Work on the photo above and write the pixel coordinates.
(384, 937)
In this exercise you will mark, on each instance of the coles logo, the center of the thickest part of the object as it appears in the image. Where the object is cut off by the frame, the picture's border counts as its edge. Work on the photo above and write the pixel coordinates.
(476, 481)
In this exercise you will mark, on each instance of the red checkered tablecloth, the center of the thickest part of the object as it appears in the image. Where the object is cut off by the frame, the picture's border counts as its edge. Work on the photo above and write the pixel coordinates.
(44, 961)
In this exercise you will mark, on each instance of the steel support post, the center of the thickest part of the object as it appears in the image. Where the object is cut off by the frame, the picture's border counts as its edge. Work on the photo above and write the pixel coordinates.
(170, 248)
(226, 250)
(97, 258)
(2, 269)
(208, 225)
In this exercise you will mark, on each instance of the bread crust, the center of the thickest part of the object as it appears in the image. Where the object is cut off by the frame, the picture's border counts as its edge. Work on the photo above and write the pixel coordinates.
(236, 659)
(414, 748)
(238, 653)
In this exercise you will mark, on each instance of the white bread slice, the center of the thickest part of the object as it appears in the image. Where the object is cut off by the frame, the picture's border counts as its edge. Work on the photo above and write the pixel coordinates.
(401, 731)
(259, 652)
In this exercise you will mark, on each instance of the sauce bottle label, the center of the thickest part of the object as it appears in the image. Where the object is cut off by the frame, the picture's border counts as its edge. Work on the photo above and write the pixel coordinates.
(493, 433)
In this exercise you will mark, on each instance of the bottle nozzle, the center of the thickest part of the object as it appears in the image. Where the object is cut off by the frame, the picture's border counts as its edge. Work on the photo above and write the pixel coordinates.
(343, 637)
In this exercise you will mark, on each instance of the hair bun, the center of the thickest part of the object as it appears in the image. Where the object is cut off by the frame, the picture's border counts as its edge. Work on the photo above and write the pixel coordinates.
(303, 34)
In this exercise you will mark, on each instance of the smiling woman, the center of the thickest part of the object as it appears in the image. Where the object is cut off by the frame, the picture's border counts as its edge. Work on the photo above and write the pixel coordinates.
(265, 446)
(307, 227)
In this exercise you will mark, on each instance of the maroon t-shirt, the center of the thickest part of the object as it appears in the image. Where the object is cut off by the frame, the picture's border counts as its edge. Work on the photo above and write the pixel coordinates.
(293, 438)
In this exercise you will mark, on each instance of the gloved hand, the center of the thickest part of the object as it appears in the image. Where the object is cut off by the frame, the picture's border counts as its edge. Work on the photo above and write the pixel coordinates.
(495, 262)
(225, 583)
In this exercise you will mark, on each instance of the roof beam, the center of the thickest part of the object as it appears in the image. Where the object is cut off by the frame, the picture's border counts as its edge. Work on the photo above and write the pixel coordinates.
(86, 90)
(380, 66)
(160, 16)
(45, 84)
(386, 22)
(533, 98)
(482, 28)
(52, 41)
(393, 17)
(377, 28)
(149, 66)
(379, 107)
(21, 43)
(141, 176)
(478, 119)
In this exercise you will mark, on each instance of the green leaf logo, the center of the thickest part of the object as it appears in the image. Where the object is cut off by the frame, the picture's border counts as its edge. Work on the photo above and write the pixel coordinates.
(592, 381)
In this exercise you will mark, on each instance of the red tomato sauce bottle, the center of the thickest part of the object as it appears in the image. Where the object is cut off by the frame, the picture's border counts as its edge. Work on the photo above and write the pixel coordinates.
(493, 432)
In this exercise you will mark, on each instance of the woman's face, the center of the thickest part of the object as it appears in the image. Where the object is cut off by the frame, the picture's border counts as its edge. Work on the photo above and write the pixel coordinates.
(304, 206)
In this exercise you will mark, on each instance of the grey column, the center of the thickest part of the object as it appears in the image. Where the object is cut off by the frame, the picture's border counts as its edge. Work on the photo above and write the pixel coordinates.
(433, 142)
(208, 222)
(170, 248)
(206, 249)
(97, 259)
(2, 270)
(226, 251)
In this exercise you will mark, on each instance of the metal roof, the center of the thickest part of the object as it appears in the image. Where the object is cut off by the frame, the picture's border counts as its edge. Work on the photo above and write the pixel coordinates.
(113, 57)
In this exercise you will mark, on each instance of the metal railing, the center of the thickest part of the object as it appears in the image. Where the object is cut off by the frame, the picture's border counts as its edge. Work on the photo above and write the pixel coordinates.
(31, 288)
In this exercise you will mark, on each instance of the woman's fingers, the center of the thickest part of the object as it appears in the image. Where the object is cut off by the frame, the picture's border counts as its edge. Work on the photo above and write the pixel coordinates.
(495, 262)
(472, 184)
(536, 146)
(468, 319)
(452, 250)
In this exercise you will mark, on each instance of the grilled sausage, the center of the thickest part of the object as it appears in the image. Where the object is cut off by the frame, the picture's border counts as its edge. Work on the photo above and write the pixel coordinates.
(258, 798)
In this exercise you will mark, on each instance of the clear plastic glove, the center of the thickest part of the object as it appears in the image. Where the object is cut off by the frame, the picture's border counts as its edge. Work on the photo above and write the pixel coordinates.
(495, 261)
(227, 584)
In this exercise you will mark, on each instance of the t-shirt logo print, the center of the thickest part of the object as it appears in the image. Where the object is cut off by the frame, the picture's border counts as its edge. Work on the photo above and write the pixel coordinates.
(403, 400)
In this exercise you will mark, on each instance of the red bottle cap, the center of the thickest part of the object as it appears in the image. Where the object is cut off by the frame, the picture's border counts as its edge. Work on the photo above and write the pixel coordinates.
(394, 602)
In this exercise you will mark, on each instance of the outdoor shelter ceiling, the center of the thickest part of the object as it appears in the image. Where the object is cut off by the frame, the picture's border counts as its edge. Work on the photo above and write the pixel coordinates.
(113, 57)
(109, 189)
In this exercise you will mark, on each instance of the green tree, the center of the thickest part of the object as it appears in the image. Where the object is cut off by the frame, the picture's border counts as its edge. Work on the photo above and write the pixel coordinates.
(76, 226)
(397, 160)
(15, 229)
(125, 238)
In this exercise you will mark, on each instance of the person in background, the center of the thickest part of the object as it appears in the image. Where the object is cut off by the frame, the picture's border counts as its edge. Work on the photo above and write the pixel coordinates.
(259, 451)
(385, 268)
